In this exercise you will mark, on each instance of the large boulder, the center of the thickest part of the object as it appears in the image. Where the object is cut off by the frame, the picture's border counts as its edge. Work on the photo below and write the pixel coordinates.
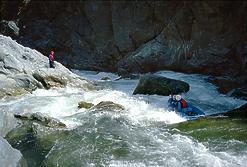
(23, 70)
(37, 139)
(154, 84)
(107, 106)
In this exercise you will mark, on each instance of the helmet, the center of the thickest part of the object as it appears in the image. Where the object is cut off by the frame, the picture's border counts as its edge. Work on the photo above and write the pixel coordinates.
(52, 52)
(178, 97)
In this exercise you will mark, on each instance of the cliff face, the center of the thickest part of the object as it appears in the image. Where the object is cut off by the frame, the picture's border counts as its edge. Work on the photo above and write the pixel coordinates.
(205, 37)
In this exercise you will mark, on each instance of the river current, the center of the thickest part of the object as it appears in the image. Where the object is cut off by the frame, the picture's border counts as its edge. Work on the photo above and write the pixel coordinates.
(141, 135)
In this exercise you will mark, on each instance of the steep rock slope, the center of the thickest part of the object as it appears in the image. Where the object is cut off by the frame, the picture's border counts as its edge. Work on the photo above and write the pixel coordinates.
(23, 70)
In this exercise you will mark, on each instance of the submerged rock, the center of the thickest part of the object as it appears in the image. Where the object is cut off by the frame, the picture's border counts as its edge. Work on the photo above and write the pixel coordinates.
(154, 84)
(34, 141)
(42, 146)
(240, 93)
(212, 129)
(240, 112)
(84, 104)
(41, 119)
(105, 78)
(108, 106)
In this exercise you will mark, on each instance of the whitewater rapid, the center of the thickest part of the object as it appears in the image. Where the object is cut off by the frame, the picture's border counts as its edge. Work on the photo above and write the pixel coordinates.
(143, 111)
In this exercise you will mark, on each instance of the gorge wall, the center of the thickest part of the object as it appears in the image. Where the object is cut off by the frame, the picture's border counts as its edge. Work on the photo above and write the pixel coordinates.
(206, 37)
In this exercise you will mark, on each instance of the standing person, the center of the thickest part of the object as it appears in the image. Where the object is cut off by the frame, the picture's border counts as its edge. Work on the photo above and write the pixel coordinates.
(51, 59)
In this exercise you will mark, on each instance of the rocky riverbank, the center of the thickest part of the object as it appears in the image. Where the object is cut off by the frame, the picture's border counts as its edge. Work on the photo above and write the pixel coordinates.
(23, 70)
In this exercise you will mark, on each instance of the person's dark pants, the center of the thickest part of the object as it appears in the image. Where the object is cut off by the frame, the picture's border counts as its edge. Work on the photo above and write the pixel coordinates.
(51, 64)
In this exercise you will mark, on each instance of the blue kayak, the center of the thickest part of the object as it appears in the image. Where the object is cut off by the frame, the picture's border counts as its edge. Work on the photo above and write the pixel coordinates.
(189, 112)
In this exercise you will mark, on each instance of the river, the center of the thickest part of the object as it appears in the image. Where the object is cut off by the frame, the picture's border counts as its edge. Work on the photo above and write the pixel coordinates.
(141, 135)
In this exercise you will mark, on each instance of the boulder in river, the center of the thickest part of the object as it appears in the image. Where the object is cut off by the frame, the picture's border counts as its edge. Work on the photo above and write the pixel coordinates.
(105, 78)
(41, 119)
(84, 104)
(108, 106)
(154, 84)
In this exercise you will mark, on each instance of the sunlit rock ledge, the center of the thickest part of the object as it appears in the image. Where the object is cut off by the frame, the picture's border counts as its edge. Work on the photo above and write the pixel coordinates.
(23, 70)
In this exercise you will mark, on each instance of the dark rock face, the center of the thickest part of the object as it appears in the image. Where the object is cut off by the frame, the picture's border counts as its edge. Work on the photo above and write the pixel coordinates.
(138, 37)
(153, 84)
(9, 28)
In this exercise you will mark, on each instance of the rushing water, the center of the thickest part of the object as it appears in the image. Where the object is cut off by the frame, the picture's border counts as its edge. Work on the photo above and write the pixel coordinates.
(141, 135)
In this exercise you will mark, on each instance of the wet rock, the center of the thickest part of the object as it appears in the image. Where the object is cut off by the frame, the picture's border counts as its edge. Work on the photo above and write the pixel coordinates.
(154, 84)
(84, 104)
(7, 122)
(211, 129)
(108, 106)
(240, 112)
(240, 93)
(105, 78)
(8, 155)
(41, 119)
(34, 141)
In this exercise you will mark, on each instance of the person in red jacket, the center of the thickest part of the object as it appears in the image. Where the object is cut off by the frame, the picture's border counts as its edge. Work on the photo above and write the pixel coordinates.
(182, 105)
(51, 59)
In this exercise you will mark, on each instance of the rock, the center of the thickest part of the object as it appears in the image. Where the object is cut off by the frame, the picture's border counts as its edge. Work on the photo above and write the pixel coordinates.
(240, 93)
(212, 129)
(154, 84)
(192, 45)
(7, 122)
(9, 28)
(23, 70)
(41, 119)
(38, 140)
(108, 106)
(240, 112)
(105, 78)
(84, 104)
(224, 83)
(8, 155)
(42, 146)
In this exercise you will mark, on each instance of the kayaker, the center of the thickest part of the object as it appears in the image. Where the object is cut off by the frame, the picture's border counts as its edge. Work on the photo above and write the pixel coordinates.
(182, 106)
